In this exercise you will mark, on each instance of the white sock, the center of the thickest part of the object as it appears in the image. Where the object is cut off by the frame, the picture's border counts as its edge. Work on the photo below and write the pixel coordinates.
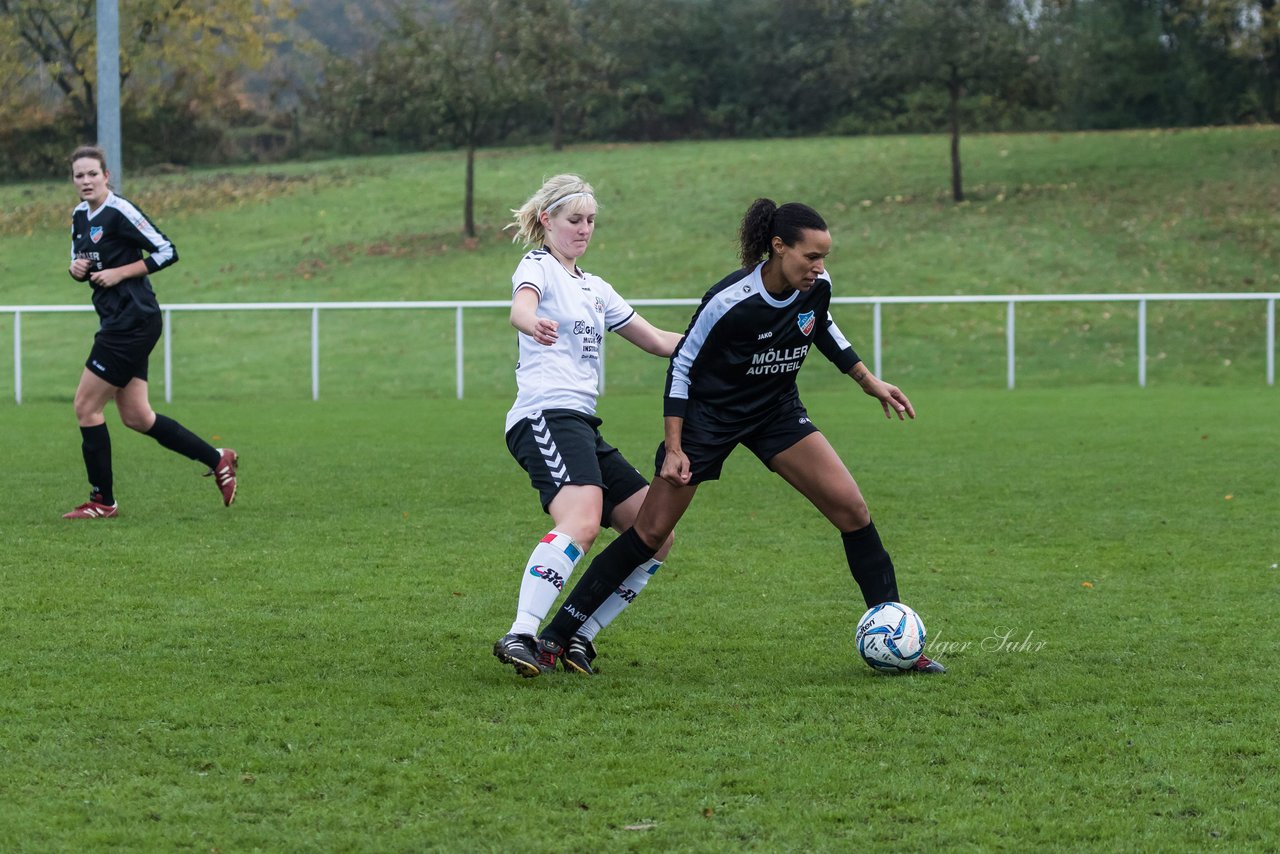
(619, 599)
(545, 575)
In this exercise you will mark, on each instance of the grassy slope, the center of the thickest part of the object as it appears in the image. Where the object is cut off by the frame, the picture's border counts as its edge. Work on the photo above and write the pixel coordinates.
(1117, 212)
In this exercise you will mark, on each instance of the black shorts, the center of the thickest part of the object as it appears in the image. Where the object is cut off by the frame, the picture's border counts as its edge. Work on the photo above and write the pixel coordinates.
(707, 441)
(558, 447)
(120, 357)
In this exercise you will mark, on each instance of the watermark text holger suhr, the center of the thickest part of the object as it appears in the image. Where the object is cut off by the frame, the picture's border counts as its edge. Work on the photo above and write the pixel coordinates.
(1003, 639)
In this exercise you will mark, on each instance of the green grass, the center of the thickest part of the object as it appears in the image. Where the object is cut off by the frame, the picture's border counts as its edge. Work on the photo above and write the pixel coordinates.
(310, 670)
(1131, 212)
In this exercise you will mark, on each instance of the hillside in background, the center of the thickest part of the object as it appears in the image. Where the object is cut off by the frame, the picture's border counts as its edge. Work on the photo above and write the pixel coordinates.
(1129, 212)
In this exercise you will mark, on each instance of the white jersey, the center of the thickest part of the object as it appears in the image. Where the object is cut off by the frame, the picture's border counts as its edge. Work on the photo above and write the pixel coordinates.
(565, 375)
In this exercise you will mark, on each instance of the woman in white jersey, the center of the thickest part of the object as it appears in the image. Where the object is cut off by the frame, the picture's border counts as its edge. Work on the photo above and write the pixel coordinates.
(562, 314)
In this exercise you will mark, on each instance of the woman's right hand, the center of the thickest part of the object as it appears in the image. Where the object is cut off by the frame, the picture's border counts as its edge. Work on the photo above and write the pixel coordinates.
(79, 269)
(545, 331)
(675, 468)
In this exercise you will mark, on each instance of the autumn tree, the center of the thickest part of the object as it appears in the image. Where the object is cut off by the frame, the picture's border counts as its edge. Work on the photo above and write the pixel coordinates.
(174, 53)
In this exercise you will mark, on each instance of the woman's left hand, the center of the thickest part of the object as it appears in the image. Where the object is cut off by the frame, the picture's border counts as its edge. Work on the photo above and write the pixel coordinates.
(891, 398)
(889, 395)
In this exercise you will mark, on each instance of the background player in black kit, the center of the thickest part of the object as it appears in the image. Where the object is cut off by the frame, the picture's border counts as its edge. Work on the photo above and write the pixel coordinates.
(108, 237)
(732, 382)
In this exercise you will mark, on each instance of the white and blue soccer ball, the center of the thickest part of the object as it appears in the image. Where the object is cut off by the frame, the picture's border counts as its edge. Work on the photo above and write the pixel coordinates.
(890, 637)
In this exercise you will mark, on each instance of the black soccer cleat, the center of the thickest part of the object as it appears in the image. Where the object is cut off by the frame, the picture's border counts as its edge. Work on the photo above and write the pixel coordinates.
(521, 652)
(548, 653)
(928, 665)
(579, 656)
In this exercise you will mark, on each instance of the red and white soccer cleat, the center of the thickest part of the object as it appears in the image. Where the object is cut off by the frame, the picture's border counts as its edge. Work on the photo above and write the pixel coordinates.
(92, 510)
(927, 665)
(225, 474)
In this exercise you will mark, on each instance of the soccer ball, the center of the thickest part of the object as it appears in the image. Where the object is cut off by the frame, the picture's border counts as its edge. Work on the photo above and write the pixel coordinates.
(890, 637)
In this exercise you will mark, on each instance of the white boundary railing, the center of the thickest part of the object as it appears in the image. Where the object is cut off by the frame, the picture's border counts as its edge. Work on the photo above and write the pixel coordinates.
(877, 303)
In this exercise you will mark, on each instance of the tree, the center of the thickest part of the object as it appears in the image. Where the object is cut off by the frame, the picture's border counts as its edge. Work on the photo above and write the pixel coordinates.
(1251, 31)
(960, 45)
(172, 51)
(563, 64)
(448, 77)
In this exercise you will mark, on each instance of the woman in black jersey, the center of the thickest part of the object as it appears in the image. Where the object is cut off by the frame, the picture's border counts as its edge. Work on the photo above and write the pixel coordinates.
(732, 381)
(108, 238)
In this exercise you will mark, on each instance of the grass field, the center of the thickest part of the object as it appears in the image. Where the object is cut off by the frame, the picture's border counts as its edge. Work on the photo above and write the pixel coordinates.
(310, 670)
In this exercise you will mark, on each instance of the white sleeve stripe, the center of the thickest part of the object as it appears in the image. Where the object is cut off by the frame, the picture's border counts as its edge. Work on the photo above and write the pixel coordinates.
(623, 322)
(682, 363)
(530, 285)
(162, 249)
(836, 334)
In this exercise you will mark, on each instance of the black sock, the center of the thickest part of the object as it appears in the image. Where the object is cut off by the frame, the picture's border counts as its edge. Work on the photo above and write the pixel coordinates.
(179, 439)
(609, 569)
(871, 565)
(96, 446)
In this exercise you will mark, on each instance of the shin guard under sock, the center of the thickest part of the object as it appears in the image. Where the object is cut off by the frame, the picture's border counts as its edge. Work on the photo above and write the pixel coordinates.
(179, 439)
(600, 580)
(545, 575)
(619, 599)
(95, 445)
(871, 565)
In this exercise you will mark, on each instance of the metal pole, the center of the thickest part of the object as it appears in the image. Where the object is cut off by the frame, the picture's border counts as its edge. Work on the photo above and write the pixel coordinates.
(1142, 343)
(457, 343)
(17, 357)
(1271, 342)
(168, 357)
(1008, 342)
(875, 335)
(315, 352)
(109, 89)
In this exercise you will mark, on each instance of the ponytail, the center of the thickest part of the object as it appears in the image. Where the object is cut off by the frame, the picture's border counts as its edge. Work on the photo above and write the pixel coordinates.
(764, 220)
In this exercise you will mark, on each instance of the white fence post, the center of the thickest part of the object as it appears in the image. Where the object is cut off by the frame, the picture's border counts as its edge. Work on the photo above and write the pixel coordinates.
(168, 357)
(315, 352)
(1142, 343)
(875, 327)
(1271, 342)
(1008, 342)
(17, 357)
(457, 343)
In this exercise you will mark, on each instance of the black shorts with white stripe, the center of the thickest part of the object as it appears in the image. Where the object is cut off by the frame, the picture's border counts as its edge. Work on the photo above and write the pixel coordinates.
(120, 356)
(558, 447)
(708, 440)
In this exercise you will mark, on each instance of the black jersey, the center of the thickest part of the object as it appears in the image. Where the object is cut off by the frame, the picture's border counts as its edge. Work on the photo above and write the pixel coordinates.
(112, 236)
(742, 350)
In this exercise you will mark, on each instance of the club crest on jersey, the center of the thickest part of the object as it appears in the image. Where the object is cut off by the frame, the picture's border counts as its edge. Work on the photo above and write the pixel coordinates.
(806, 322)
(95, 233)
(599, 303)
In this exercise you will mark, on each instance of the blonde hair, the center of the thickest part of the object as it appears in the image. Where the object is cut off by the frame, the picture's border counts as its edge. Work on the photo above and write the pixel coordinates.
(567, 193)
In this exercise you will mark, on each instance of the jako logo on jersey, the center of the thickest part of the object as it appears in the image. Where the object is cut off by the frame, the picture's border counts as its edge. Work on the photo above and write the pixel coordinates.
(764, 335)
(546, 573)
(95, 233)
(806, 322)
